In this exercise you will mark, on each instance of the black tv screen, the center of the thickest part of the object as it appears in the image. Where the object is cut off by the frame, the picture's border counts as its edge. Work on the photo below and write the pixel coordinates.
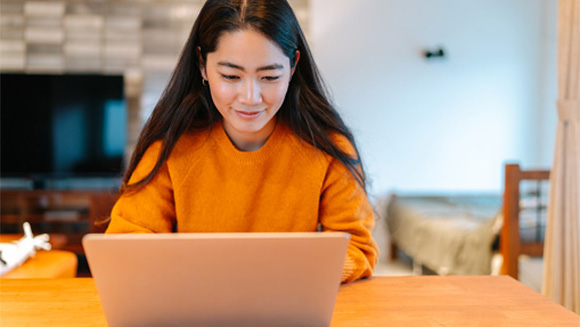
(62, 125)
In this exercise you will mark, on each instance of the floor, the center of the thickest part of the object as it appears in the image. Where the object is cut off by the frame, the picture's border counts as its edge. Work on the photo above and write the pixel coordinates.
(530, 273)
(394, 268)
(402, 266)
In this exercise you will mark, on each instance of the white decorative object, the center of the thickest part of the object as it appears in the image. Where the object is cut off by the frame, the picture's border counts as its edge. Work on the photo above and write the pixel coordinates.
(16, 253)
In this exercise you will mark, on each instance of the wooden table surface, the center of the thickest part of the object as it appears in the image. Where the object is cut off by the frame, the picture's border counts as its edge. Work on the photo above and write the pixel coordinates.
(380, 301)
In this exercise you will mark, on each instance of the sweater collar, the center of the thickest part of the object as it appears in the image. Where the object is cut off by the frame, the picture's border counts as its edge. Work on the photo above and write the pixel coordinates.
(221, 138)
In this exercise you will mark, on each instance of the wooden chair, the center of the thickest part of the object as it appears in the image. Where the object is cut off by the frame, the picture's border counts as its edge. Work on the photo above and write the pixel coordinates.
(511, 243)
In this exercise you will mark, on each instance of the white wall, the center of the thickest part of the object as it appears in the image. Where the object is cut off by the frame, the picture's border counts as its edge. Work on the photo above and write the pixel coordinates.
(441, 125)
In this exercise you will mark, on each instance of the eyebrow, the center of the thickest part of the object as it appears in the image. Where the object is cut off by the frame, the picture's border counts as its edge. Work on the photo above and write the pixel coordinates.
(268, 67)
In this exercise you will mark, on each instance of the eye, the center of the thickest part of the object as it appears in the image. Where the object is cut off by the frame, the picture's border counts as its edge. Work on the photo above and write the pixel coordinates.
(230, 77)
(270, 78)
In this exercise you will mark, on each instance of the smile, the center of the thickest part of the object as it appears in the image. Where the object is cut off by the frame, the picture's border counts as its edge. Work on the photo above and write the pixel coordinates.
(248, 114)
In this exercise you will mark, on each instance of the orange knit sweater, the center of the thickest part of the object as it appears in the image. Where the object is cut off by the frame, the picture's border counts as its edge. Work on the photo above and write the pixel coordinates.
(207, 185)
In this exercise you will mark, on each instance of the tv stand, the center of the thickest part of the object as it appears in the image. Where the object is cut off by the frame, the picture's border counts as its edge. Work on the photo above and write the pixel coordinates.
(60, 183)
(72, 213)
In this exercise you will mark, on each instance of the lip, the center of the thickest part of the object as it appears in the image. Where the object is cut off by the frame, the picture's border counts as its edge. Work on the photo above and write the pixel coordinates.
(249, 114)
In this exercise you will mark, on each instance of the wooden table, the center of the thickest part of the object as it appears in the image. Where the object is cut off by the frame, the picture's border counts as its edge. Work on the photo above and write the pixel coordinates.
(381, 301)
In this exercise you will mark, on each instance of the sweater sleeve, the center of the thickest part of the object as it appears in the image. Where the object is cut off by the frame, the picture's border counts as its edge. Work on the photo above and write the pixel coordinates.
(344, 207)
(150, 209)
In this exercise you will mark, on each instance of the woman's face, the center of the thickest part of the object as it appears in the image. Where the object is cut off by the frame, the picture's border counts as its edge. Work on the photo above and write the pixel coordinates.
(248, 77)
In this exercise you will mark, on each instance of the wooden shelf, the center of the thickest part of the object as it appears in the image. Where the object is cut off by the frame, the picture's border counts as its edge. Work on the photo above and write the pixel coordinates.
(72, 213)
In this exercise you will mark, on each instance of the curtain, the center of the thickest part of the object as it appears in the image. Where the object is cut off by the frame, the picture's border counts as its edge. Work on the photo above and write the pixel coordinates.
(561, 281)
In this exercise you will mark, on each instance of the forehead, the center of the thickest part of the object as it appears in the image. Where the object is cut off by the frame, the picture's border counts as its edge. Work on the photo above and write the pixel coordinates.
(248, 48)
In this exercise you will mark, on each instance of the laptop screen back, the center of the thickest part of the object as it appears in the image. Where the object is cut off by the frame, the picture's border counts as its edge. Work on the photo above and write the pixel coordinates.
(233, 279)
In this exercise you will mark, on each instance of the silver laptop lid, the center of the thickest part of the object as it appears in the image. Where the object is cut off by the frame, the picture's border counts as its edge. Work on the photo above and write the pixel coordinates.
(217, 279)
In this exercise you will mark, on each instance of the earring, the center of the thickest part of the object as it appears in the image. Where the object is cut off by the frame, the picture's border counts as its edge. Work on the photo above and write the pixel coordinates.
(204, 82)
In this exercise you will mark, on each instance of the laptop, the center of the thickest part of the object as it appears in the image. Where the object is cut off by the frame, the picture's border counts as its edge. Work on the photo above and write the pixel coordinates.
(217, 279)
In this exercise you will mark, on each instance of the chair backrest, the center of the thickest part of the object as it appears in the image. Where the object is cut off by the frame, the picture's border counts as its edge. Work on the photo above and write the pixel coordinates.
(512, 244)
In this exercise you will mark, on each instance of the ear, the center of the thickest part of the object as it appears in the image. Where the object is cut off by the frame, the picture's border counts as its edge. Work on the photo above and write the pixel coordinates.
(201, 62)
(295, 62)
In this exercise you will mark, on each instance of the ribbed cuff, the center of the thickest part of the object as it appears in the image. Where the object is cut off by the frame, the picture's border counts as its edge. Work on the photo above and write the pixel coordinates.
(348, 269)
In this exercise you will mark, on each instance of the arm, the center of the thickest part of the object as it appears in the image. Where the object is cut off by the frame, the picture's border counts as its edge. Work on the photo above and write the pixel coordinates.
(344, 207)
(150, 209)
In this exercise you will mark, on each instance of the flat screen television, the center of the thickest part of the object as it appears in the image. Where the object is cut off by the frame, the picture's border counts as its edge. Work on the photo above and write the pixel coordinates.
(55, 126)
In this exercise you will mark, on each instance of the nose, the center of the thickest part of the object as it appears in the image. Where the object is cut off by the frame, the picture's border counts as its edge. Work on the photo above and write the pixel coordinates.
(250, 93)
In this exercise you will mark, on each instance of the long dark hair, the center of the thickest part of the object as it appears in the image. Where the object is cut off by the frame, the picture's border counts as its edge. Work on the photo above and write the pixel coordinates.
(186, 103)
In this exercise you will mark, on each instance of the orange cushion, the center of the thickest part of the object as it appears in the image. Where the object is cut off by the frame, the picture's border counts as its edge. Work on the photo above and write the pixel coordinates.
(47, 264)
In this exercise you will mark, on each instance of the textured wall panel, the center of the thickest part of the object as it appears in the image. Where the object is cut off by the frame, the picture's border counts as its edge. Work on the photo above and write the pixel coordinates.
(141, 39)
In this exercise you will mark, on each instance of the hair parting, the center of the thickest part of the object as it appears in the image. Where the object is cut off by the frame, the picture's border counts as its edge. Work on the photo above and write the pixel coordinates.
(186, 103)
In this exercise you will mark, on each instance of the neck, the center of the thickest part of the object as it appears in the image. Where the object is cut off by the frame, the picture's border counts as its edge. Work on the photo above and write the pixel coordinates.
(247, 142)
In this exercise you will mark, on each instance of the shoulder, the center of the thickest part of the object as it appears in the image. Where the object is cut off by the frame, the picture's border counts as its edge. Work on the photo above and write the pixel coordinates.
(186, 144)
(343, 143)
(186, 148)
(297, 145)
(190, 143)
(346, 166)
(190, 148)
(316, 150)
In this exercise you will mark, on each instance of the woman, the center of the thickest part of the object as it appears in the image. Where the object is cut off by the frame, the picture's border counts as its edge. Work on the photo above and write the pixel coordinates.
(244, 139)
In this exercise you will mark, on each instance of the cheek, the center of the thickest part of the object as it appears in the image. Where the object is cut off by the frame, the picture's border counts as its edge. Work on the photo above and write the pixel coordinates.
(275, 94)
(222, 93)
